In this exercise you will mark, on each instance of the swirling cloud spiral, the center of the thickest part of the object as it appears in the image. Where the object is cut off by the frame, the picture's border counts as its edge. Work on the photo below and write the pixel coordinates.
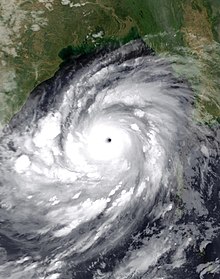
(100, 169)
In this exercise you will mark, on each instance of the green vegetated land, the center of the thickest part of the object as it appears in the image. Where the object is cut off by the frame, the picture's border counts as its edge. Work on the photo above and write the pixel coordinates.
(75, 27)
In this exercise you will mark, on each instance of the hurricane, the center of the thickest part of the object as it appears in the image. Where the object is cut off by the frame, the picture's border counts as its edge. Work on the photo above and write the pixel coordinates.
(105, 173)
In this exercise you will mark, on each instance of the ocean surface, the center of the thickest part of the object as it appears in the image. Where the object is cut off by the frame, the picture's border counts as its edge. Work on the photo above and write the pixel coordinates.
(105, 173)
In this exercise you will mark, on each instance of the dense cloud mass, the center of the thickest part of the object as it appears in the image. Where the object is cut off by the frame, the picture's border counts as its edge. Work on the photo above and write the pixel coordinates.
(105, 174)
